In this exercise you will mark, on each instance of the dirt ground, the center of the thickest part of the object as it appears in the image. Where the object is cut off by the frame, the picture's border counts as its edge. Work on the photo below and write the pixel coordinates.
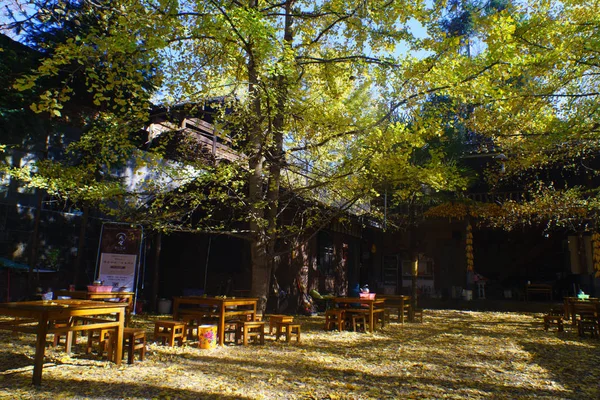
(451, 355)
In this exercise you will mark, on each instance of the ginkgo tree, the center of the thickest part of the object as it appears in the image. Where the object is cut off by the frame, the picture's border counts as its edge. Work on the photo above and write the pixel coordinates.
(538, 106)
(307, 90)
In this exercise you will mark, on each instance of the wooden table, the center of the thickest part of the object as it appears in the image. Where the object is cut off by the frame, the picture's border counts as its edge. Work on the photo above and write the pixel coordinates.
(217, 307)
(401, 302)
(575, 306)
(40, 317)
(125, 297)
(374, 306)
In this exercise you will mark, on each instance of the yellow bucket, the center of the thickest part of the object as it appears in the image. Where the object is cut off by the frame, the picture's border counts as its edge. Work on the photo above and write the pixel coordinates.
(207, 336)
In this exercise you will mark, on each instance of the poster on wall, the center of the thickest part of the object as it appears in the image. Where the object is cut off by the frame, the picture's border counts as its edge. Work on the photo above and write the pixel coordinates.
(119, 256)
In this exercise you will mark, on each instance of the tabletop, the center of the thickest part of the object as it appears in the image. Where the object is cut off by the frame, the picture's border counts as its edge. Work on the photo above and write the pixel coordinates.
(67, 305)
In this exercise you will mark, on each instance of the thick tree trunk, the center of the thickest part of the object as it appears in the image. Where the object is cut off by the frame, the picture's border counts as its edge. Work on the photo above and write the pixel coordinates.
(414, 262)
(277, 156)
(259, 245)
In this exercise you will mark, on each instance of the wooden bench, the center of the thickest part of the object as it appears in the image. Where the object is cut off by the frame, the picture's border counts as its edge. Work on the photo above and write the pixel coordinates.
(169, 331)
(538, 288)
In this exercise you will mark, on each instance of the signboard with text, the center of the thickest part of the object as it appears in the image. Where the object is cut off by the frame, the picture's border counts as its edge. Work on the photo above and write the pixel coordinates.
(119, 251)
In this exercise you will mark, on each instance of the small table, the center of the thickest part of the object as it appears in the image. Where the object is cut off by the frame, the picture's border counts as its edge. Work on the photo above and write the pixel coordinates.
(126, 297)
(374, 306)
(40, 317)
(219, 307)
(575, 306)
(401, 302)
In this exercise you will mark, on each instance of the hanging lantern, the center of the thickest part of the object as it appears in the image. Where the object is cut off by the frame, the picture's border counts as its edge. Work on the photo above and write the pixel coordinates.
(469, 248)
(596, 253)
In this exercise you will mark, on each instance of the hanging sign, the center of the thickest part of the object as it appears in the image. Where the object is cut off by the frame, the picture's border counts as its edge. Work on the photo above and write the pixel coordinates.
(119, 251)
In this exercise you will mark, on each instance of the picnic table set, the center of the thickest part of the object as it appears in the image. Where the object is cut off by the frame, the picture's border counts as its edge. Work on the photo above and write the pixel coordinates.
(583, 313)
(366, 311)
(101, 312)
(210, 320)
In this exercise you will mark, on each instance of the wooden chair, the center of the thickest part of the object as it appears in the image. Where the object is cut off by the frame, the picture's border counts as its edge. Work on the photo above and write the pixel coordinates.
(288, 329)
(247, 330)
(169, 331)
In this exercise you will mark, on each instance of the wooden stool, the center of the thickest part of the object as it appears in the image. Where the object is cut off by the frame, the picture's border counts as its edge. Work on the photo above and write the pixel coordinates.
(276, 319)
(191, 325)
(169, 330)
(230, 330)
(386, 316)
(418, 315)
(288, 329)
(359, 321)
(102, 338)
(134, 339)
(334, 318)
(68, 339)
(553, 320)
(404, 313)
(250, 329)
(587, 324)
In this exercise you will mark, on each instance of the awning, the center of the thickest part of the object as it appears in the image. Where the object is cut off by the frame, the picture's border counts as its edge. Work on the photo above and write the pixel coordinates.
(10, 264)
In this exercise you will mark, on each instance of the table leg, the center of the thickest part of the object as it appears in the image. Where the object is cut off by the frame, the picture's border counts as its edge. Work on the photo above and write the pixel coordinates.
(371, 318)
(176, 309)
(401, 311)
(119, 344)
(69, 338)
(40, 349)
(221, 331)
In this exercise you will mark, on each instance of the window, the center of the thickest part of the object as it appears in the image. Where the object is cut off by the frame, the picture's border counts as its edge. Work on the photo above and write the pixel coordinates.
(425, 267)
(326, 252)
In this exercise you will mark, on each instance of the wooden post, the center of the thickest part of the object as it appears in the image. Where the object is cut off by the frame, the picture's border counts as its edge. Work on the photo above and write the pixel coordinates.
(81, 243)
(156, 278)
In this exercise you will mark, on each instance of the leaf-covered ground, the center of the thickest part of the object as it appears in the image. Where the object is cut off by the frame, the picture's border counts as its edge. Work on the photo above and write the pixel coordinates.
(452, 355)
